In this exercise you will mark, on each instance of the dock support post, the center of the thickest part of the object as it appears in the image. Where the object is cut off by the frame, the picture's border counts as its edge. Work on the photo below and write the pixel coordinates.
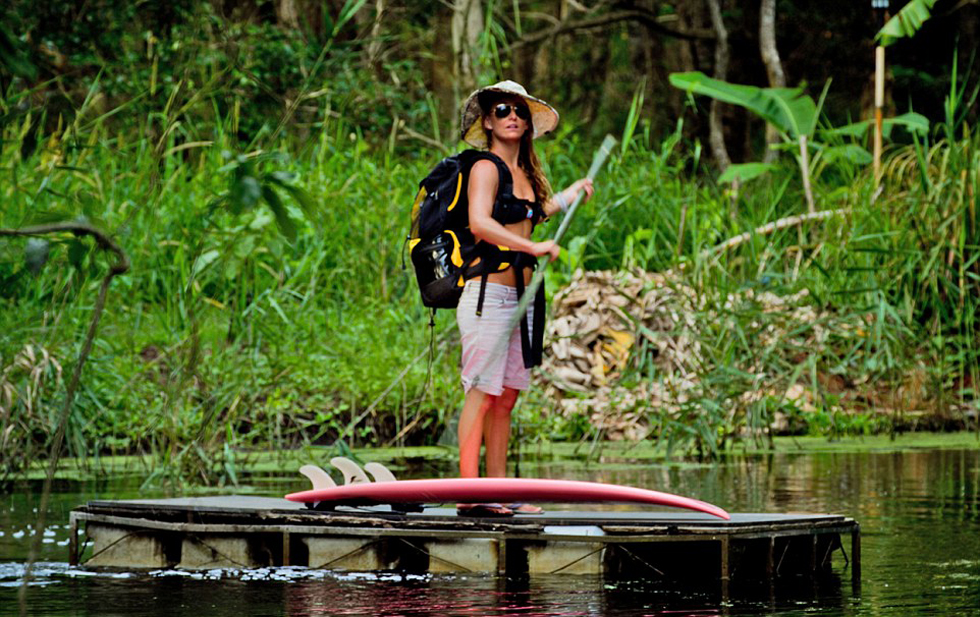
(725, 567)
(285, 549)
(72, 539)
(856, 560)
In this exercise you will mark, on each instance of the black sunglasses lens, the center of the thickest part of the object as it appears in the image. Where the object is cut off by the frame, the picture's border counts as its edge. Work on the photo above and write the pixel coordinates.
(502, 111)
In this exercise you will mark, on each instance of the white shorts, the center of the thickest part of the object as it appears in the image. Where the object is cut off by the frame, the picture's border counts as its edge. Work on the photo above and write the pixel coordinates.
(481, 336)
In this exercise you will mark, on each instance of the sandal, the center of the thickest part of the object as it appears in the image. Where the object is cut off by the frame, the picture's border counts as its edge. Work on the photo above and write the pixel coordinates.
(525, 508)
(484, 510)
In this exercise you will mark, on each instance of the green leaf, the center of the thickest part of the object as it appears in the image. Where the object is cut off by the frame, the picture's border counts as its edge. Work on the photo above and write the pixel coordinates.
(15, 56)
(243, 247)
(304, 199)
(906, 22)
(856, 130)
(233, 268)
(76, 253)
(203, 261)
(286, 225)
(743, 172)
(278, 310)
(282, 176)
(849, 152)
(245, 193)
(36, 254)
(634, 116)
(788, 109)
(913, 123)
(350, 8)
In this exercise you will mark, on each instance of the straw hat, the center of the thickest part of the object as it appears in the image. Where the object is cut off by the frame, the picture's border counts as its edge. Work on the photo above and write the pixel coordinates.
(544, 118)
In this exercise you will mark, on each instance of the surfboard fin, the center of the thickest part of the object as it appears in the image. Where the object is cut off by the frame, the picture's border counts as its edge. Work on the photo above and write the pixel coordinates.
(353, 474)
(318, 477)
(379, 472)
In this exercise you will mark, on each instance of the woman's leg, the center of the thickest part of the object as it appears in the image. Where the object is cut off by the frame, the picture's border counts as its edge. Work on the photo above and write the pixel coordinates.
(496, 432)
(476, 407)
(470, 430)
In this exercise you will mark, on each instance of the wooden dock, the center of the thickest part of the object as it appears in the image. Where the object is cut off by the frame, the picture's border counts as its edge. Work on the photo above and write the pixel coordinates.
(244, 532)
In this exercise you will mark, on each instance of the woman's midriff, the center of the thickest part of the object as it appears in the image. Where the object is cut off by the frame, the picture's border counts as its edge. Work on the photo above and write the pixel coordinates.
(507, 277)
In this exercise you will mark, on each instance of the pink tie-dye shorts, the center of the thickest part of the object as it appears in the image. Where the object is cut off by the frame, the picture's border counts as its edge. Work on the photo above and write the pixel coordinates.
(481, 335)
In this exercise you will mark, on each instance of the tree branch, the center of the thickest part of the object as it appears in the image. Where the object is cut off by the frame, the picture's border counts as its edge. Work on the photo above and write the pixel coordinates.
(769, 228)
(102, 240)
(646, 18)
(121, 265)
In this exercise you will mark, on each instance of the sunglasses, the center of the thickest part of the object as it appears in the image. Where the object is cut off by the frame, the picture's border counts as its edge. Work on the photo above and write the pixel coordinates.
(502, 110)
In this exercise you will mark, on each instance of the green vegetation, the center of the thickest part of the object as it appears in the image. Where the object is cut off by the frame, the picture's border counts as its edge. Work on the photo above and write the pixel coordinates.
(267, 307)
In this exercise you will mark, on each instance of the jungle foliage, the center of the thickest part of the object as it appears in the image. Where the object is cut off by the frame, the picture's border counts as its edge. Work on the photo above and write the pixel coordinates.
(257, 161)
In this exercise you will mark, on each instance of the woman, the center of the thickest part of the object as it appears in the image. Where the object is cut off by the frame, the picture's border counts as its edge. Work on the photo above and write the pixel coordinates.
(502, 213)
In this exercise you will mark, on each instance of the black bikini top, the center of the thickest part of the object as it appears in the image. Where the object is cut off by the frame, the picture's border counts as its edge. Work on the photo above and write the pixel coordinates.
(510, 209)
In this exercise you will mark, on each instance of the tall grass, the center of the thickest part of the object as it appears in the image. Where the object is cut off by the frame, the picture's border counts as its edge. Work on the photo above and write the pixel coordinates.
(286, 321)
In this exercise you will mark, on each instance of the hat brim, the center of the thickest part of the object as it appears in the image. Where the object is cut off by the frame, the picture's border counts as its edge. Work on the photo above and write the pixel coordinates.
(544, 117)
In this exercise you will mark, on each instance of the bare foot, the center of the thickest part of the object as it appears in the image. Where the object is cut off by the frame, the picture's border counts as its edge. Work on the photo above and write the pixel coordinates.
(484, 510)
(525, 508)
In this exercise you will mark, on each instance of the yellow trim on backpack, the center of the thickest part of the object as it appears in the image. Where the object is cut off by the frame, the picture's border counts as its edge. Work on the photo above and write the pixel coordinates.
(456, 257)
(459, 188)
(504, 264)
(413, 242)
(419, 198)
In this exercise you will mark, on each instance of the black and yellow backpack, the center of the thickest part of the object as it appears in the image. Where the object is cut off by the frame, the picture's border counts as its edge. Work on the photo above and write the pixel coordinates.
(440, 242)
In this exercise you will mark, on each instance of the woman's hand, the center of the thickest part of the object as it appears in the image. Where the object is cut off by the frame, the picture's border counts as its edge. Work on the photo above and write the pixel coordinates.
(582, 184)
(563, 200)
(548, 247)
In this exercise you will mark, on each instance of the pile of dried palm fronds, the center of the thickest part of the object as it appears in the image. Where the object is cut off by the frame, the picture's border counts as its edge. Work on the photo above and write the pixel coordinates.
(604, 321)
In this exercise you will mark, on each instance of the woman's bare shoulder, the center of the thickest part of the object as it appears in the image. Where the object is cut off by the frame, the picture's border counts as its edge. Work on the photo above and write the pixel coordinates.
(484, 168)
(483, 176)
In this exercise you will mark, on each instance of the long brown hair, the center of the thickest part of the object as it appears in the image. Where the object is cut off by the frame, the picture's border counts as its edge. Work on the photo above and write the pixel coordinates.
(527, 158)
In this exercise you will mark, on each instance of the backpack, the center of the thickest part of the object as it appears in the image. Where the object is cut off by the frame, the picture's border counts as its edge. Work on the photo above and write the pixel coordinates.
(440, 242)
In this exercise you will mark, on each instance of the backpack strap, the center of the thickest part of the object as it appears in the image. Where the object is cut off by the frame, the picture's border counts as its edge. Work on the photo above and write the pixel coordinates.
(483, 292)
(505, 182)
(532, 338)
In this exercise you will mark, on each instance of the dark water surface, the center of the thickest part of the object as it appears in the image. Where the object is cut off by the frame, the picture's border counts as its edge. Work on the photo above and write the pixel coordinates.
(919, 512)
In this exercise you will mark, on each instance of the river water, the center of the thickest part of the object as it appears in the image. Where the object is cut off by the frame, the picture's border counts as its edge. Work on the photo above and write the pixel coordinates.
(919, 512)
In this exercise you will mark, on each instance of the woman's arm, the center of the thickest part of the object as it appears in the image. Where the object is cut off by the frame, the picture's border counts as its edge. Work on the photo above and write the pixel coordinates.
(481, 192)
(563, 199)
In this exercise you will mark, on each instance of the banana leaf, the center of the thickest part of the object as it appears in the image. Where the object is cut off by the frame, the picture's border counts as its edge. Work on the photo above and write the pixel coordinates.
(913, 123)
(788, 109)
(906, 22)
(743, 172)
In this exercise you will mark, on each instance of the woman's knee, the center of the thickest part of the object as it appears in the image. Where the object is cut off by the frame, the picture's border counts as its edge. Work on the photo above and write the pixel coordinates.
(505, 402)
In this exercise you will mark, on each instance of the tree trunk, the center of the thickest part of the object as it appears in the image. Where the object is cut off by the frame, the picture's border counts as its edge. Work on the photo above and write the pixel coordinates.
(681, 57)
(374, 44)
(287, 14)
(716, 131)
(466, 30)
(774, 68)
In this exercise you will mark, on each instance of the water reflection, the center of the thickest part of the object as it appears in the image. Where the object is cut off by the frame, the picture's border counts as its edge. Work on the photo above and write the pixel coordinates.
(919, 511)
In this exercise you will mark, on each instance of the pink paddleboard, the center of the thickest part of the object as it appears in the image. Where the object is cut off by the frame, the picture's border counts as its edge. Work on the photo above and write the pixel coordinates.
(505, 490)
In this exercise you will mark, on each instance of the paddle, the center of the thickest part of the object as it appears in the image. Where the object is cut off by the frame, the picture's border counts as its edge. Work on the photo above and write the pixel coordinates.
(449, 436)
(598, 159)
